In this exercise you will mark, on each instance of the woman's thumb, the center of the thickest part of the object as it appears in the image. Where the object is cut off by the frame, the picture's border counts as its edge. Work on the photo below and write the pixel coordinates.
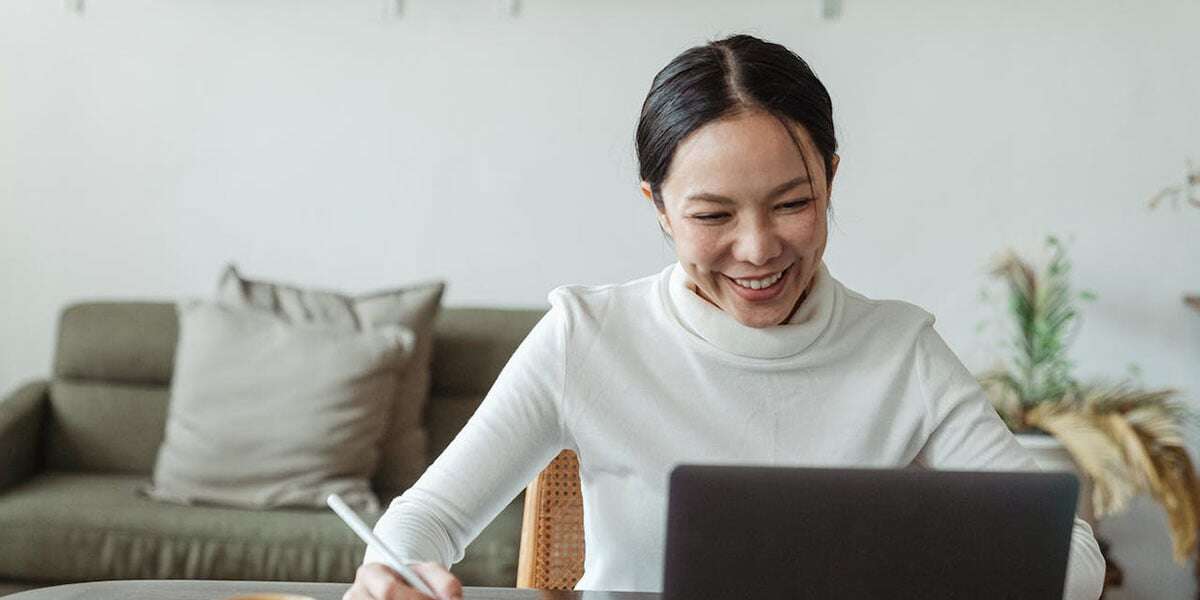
(441, 581)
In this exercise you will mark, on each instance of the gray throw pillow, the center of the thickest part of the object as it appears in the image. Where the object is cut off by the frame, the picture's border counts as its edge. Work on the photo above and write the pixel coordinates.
(265, 413)
(404, 445)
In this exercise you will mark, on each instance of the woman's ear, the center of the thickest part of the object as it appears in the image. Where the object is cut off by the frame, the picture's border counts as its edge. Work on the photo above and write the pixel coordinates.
(660, 211)
(647, 191)
(833, 165)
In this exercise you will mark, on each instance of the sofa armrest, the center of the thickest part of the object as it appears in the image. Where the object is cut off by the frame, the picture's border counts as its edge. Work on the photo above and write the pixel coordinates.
(21, 416)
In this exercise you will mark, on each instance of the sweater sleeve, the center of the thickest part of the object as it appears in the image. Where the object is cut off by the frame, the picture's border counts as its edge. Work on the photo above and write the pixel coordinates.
(515, 432)
(966, 433)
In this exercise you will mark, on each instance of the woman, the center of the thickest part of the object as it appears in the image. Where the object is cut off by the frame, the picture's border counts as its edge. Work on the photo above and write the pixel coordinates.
(746, 350)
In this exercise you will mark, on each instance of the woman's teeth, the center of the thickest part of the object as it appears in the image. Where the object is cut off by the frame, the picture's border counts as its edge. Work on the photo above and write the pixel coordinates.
(758, 284)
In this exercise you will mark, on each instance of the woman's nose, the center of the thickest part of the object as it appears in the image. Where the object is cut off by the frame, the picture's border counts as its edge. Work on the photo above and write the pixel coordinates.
(758, 244)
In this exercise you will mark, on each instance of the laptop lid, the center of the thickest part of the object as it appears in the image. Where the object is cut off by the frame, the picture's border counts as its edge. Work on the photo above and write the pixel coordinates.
(782, 532)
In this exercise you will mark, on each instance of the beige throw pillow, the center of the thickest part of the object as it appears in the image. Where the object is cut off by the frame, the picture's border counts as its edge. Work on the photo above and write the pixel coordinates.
(265, 413)
(404, 446)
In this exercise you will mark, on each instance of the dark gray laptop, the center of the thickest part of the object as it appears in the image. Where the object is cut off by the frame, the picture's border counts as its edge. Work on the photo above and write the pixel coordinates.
(778, 532)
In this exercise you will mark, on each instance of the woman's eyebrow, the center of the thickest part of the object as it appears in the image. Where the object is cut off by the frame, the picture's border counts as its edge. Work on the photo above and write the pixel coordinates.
(787, 185)
(775, 192)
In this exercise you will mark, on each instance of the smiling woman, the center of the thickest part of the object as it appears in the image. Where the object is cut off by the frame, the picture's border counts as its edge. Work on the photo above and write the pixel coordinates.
(744, 351)
(739, 182)
(752, 245)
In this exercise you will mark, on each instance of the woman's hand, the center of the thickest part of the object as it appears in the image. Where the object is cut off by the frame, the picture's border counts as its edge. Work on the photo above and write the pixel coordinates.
(376, 581)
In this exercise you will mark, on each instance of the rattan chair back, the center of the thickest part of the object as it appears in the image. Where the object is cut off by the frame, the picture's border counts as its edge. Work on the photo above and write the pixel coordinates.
(551, 555)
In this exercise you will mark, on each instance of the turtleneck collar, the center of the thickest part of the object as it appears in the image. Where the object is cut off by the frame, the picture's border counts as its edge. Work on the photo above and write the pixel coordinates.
(719, 329)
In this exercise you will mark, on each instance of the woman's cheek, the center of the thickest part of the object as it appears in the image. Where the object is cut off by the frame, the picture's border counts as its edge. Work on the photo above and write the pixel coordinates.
(702, 246)
(804, 232)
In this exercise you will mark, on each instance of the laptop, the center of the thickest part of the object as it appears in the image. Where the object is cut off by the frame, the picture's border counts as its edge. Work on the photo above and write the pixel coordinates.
(782, 532)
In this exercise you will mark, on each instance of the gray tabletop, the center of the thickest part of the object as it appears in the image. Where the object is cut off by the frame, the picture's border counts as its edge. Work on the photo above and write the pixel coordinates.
(218, 590)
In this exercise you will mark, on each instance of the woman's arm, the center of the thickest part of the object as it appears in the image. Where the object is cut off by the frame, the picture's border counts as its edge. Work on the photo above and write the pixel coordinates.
(966, 433)
(515, 432)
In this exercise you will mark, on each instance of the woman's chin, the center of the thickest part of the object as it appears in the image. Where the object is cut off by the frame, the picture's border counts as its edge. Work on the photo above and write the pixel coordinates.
(759, 317)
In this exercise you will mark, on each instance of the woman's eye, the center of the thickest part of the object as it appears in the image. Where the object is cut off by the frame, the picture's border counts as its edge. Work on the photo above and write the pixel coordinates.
(795, 204)
(709, 216)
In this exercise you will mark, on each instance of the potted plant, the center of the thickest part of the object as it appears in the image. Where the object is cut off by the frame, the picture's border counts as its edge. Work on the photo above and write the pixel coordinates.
(1185, 194)
(1122, 440)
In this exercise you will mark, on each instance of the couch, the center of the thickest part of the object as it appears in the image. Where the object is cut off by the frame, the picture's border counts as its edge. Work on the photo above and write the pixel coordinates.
(75, 447)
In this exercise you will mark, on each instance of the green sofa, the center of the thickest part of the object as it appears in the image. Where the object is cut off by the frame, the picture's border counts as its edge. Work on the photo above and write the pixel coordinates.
(74, 448)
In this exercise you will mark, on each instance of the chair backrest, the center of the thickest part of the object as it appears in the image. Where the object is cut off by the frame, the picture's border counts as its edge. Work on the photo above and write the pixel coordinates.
(552, 551)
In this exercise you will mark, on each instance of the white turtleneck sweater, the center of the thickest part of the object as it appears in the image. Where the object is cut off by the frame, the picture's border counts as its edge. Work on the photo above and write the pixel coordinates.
(641, 376)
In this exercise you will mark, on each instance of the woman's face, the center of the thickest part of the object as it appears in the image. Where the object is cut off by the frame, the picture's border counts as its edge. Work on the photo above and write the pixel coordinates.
(747, 215)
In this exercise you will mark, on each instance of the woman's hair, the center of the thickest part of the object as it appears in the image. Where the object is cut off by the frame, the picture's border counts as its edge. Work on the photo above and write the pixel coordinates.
(723, 78)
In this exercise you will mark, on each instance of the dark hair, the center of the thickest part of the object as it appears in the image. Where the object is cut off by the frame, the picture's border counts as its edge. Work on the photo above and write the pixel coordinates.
(723, 78)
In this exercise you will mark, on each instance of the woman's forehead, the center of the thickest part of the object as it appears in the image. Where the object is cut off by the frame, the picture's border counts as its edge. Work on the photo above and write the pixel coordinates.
(748, 155)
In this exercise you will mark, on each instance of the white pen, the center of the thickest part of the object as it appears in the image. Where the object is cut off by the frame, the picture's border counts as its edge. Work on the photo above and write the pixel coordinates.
(365, 534)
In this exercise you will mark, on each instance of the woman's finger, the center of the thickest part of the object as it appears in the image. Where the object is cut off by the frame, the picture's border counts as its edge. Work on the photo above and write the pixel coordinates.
(442, 582)
(382, 583)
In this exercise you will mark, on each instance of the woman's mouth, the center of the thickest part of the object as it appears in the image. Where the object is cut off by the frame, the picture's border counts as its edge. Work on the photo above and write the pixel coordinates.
(760, 290)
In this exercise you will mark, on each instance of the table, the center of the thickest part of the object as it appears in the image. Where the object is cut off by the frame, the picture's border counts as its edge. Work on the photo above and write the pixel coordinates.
(180, 589)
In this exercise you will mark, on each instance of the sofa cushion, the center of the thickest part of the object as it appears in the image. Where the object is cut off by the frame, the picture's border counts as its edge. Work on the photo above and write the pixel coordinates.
(102, 426)
(128, 342)
(404, 455)
(60, 527)
(446, 416)
(82, 526)
(12, 587)
(472, 345)
(112, 365)
(265, 413)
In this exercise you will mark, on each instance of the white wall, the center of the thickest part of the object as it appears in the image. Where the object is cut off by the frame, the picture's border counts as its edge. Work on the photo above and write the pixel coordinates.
(145, 143)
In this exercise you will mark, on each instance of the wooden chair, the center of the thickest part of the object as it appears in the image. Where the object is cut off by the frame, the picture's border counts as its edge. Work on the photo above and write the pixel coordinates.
(551, 555)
